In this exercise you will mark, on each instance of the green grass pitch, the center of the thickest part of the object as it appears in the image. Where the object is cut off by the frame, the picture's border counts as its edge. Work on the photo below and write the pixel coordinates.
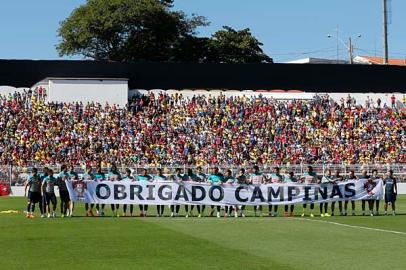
(206, 243)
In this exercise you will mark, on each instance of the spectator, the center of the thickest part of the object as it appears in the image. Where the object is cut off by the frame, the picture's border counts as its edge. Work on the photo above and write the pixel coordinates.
(201, 130)
(393, 101)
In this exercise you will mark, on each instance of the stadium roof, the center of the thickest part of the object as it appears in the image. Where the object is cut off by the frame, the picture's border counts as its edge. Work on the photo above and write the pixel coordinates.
(312, 60)
(379, 61)
(313, 78)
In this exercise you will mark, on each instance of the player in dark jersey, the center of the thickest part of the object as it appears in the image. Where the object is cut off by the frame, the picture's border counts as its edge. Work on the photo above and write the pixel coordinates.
(26, 187)
(327, 179)
(99, 177)
(391, 191)
(144, 177)
(201, 178)
(337, 179)
(34, 184)
(364, 177)
(159, 177)
(49, 185)
(242, 180)
(191, 177)
(350, 177)
(178, 178)
(63, 176)
(128, 178)
(114, 176)
(369, 187)
(215, 179)
(229, 179)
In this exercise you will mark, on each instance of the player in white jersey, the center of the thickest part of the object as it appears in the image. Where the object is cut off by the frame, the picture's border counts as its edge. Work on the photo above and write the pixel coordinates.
(34, 184)
(309, 177)
(350, 177)
(177, 177)
(144, 178)
(369, 188)
(327, 179)
(376, 178)
(73, 176)
(159, 177)
(256, 179)
(275, 178)
(289, 178)
(62, 177)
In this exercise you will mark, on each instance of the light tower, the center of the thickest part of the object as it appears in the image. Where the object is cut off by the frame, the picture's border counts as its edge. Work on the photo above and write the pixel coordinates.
(385, 32)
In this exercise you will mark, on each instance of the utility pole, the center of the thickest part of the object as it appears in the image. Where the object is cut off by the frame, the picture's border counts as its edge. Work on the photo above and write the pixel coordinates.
(350, 50)
(385, 32)
(349, 46)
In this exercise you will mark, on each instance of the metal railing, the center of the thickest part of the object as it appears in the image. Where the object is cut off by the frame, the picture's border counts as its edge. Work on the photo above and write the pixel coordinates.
(17, 175)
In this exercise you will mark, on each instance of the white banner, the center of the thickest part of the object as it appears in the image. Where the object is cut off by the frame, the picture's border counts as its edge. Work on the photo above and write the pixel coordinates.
(170, 193)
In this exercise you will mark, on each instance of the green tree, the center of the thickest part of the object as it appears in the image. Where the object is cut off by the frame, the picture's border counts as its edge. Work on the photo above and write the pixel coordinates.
(126, 30)
(133, 30)
(231, 46)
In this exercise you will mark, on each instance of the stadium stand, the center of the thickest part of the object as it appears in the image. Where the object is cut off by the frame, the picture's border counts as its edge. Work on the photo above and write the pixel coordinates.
(161, 129)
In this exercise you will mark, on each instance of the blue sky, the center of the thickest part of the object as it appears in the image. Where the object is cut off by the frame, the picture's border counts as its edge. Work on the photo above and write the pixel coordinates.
(289, 29)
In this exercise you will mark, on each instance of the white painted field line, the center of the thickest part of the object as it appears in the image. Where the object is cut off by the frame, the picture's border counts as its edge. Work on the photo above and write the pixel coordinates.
(351, 226)
(265, 218)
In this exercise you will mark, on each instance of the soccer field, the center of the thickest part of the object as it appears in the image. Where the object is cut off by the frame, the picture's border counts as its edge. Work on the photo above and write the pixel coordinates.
(207, 243)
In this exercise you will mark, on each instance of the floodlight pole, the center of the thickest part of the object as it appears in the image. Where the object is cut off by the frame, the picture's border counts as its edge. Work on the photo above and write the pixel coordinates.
(385, 32)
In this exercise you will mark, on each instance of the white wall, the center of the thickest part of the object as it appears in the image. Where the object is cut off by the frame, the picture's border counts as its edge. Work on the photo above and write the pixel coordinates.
(89, 90)
(6, 90)
(227, 93)
(359, 97)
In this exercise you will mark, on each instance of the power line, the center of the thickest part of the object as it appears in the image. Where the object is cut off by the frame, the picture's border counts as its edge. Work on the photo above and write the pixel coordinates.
(378, 51)
(308, 52)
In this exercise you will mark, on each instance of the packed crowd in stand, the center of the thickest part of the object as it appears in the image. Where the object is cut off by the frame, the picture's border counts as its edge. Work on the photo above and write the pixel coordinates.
(41, 190)
(166, 130)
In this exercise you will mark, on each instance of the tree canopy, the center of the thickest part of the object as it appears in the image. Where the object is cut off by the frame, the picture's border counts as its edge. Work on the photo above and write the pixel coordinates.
(231, 46)
(149, 30)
